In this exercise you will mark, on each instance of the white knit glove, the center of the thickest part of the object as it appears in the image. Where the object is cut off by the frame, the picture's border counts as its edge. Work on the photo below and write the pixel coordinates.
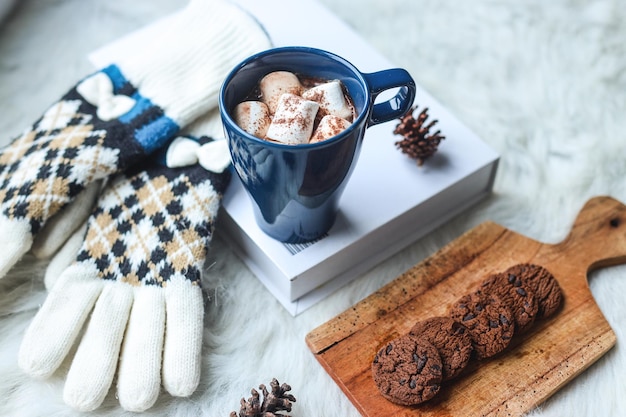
(114, 118)
(137, 278)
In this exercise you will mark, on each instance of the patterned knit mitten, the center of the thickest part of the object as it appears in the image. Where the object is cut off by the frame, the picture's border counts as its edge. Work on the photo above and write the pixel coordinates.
(115, 117)
(137, 277)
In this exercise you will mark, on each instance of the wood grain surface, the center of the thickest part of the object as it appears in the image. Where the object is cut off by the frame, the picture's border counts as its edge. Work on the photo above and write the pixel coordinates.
(533, 367)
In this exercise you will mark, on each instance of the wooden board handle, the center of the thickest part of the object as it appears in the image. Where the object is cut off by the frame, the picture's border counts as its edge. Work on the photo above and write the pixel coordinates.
(597, 238)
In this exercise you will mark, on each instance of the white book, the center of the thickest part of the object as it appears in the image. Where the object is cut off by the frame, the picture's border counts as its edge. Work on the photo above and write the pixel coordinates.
(389, 201)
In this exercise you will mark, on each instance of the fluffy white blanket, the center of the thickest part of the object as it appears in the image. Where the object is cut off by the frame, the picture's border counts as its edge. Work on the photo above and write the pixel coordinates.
(544, 83)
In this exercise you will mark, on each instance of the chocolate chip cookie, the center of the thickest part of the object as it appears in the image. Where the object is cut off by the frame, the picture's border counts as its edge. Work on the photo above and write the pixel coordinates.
(488, 320)
(407, 371)
(452, 340)
(518, 296)
(539, 280)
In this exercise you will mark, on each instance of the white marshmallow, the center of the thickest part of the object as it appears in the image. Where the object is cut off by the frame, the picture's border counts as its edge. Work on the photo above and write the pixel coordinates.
(253, 117)
(293, 121)
(331, 99)
(277, 83)
(328, 127)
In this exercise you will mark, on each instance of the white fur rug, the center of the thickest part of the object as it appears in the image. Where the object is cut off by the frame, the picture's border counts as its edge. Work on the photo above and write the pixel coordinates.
(544, 83)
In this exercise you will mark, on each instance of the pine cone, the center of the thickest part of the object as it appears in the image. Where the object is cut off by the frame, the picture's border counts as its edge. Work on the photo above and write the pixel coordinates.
(418, 143)
(274, 401)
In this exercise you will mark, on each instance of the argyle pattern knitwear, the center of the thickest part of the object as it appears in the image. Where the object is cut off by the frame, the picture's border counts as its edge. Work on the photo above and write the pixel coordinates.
(151, 228)
(99, 127)
(154, 82)
(70, 147)
(135, 286)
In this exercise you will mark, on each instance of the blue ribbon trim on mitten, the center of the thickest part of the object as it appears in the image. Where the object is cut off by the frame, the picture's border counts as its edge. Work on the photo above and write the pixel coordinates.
(118, 80)
(153, 135)
(158, 129)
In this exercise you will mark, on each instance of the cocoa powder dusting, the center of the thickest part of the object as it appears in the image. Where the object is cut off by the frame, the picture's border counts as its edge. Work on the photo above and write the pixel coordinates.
(335, 127)
(291, 104)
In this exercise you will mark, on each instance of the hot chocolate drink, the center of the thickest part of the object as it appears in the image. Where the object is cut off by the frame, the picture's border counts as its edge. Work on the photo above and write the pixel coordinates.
(293, 109)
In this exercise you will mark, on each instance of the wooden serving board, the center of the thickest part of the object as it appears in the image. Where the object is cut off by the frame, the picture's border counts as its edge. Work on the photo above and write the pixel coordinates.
(534, 367)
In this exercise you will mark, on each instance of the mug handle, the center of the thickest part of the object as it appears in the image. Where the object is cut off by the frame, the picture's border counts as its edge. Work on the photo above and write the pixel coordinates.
(399, 104)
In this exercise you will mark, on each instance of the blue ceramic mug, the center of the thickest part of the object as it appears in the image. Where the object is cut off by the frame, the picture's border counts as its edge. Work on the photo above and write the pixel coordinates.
(295, 189)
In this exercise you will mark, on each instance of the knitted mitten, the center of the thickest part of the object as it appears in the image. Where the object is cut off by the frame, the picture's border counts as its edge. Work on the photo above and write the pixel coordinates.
(115, 117)
(137, 278)
(56, 234)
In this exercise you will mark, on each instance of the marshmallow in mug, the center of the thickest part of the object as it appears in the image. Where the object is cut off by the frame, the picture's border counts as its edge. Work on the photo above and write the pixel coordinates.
(293, 120)
(253, 117)
(328, 127)
(331, 99)
(277, 83)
